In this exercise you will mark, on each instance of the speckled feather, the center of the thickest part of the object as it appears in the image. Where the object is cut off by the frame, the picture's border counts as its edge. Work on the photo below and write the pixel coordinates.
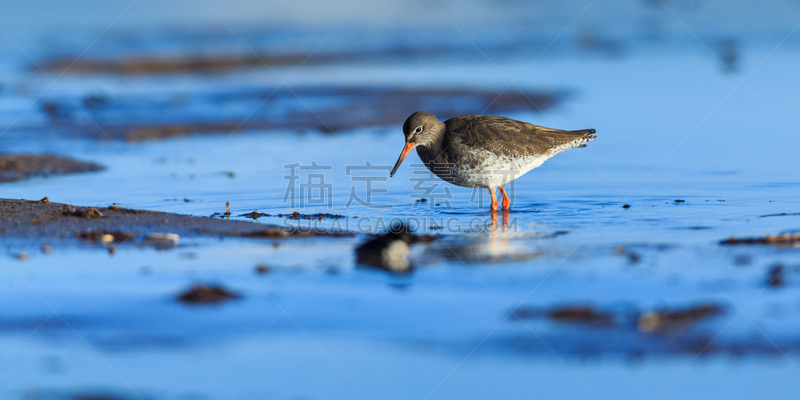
(512, 138)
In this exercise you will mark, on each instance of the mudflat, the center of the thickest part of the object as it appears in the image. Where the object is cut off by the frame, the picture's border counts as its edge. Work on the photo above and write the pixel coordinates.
(44, 220)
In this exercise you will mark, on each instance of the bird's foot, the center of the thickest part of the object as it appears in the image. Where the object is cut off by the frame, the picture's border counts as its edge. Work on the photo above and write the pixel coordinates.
(506, 200)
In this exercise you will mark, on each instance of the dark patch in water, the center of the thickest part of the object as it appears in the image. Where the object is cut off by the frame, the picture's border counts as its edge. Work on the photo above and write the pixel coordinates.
(633, 257)
(318, 216)
(676, 319)
(254, 215)
(207, 294)
(151, 65)
(624, 332)
(263, 269)
(586, 315)
(742, 260)
(782, 240)
(333, 109)
(728, 55)
(775, 277)
(17, 167)
(779, 215)
(144, 64)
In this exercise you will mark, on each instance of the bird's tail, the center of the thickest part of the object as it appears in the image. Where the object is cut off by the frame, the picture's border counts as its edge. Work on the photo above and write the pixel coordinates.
(586, 135)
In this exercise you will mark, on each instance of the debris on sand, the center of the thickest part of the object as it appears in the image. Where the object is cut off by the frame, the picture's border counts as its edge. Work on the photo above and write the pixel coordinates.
(573, 314)
(389, 251)
(80, 212)
(254, 215)
(207, 294)
(318, 216)
(676, 320)
(775, 277)
(782, 240)
(106, 236)
(17, 167)
(581, 315)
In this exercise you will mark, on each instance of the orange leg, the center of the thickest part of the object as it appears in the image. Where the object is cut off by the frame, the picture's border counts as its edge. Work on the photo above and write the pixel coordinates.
(494, 200)
(506, 200)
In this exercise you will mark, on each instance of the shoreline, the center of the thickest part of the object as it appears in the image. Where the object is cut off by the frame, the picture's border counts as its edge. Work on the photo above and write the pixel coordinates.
(46, 222)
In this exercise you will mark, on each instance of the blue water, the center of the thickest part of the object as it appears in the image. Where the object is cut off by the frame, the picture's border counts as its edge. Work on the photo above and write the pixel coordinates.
(674, 119)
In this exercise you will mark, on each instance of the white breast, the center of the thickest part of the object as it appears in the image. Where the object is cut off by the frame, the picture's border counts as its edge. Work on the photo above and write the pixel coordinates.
(494, 170)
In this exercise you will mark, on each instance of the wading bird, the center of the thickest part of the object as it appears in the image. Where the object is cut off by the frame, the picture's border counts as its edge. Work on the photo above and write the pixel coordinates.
(481, 151)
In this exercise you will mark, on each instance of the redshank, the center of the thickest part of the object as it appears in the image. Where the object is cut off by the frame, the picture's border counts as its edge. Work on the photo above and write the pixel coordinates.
(481, 151)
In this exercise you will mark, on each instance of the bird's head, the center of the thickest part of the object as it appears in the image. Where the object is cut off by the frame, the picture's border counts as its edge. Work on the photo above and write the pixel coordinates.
(420, 129)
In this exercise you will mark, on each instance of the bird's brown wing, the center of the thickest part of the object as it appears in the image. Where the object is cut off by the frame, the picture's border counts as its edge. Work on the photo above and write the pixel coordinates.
(508, 137)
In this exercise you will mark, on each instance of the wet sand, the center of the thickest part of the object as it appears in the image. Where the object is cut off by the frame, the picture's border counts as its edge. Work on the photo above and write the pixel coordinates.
(39, 221)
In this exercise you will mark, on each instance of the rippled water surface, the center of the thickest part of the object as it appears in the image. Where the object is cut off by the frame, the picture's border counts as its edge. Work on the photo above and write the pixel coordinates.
(570, 295)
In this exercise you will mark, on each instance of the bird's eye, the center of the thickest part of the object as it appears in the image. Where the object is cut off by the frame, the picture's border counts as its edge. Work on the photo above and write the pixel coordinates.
(418, 130)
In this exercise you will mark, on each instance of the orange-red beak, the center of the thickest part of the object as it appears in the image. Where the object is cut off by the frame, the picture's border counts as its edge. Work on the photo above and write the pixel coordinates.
(403, 155)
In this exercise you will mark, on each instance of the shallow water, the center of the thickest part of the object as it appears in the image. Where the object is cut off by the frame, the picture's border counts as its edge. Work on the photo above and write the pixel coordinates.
(674, 123)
